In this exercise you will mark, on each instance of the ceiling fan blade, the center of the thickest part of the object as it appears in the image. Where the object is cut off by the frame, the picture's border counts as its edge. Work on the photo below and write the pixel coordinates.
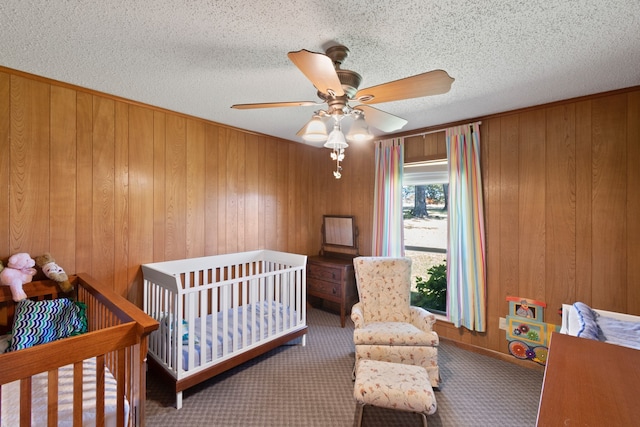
(275, 104)
(382, 120)
(430, 83)
(319, 69)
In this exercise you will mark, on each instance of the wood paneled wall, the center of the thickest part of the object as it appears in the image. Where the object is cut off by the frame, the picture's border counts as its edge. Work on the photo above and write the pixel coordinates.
(107, 184)
(561, 188)
(422, 148)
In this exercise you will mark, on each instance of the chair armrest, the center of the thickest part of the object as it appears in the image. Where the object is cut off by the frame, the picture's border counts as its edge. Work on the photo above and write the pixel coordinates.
(422, 319)
(357, 315)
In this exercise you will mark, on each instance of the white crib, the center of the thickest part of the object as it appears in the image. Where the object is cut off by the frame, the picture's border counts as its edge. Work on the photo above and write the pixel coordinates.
(219, 311)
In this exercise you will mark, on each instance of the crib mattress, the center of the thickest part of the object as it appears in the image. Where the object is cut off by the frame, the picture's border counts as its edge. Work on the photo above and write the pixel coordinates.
(253, 323)
(11, 398)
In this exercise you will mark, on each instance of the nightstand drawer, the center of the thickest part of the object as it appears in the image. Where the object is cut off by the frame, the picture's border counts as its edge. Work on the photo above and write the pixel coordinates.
(324, 273)
(323, 287)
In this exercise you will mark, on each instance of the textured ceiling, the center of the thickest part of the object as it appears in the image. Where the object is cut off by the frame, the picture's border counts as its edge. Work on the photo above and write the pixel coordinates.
(201, 57)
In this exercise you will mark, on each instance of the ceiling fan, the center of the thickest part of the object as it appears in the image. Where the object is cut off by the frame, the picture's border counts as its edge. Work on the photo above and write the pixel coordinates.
(339, 88)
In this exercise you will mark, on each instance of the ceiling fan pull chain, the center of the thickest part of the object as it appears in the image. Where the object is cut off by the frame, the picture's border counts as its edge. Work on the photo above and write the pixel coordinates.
(338, 156)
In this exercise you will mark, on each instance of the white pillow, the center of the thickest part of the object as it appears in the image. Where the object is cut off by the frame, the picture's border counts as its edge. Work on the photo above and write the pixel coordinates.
(574, 322)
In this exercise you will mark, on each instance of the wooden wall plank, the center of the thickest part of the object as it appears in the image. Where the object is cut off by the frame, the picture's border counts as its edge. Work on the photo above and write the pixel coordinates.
(270, 193)
(441, 141)
(241, 190)
(305, 205)
(103, 156)
(175, 187)
(121, 199)
(490, 138)
(413, 149)
(584, 268)
(367, 224)
(211, 190)
(320, 206)
(262, 198)
(293, 178)
(633, 203)
(365, 186)
(63, 177)
(282, 211)
(29, 191)
(509, 208)
(560, 203)
(432, 144)
(5, 161)
(141, 197)
(159, 186)
(361, 200)
(532, 178)
(231, 190)
(84, 175)
(609, 251)
(195, 193)
(252, 192)
(222, 191)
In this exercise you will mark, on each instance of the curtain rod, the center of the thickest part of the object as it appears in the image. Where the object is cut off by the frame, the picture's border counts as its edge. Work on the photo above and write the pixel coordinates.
(440, 130)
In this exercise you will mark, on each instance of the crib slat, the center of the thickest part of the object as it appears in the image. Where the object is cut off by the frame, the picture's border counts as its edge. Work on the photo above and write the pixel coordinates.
(120, 377)
(204, 310)
(77, 393)
(100, 395)
(52, 398)
(25, 402)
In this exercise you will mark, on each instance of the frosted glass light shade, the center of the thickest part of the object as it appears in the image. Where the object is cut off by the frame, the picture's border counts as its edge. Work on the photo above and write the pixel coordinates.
(316, 130)
(336, 140)
(359, 131)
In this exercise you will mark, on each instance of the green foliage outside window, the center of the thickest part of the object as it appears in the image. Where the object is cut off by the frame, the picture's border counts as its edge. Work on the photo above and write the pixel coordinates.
(432, 293)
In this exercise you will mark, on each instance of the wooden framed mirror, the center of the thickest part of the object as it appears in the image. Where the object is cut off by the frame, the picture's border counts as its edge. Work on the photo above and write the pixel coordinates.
(339, 234)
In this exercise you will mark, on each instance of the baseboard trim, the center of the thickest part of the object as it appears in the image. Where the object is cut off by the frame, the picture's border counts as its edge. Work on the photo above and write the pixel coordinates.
(495, 354)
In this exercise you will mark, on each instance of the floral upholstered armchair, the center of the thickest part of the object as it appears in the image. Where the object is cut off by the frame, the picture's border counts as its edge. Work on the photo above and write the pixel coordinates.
(387, 327)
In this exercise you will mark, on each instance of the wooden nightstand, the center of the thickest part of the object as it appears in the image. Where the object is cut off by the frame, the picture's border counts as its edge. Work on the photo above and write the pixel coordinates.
(331, 278)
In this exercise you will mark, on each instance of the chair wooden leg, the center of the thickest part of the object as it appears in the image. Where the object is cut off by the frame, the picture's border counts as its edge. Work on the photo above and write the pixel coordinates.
(357, 419)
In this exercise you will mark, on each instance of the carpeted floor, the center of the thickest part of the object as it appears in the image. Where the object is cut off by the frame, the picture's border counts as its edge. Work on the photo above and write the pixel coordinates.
(311, 386)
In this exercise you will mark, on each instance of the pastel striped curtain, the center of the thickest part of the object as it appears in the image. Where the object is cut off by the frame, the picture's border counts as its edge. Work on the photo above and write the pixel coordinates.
(466, 273)
(388, 229)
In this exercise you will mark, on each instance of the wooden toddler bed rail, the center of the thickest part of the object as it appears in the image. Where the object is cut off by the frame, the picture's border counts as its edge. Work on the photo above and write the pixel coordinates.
(116, 344)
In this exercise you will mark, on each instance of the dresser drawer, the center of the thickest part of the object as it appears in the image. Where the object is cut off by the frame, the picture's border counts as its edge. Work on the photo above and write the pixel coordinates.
(323, 287)
(324, 273)
(332, 280)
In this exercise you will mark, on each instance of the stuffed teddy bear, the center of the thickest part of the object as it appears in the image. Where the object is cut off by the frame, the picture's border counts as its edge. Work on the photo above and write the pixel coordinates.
(53, 271)
(19, 270)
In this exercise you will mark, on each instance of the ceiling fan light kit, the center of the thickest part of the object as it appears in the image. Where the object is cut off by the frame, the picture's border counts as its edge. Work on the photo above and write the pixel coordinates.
(338, 88)
(359, 130)
(315, 130)
(337, 143)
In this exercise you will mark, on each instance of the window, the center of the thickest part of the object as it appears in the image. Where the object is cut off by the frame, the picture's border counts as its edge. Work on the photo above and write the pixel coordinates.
(425, 208)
